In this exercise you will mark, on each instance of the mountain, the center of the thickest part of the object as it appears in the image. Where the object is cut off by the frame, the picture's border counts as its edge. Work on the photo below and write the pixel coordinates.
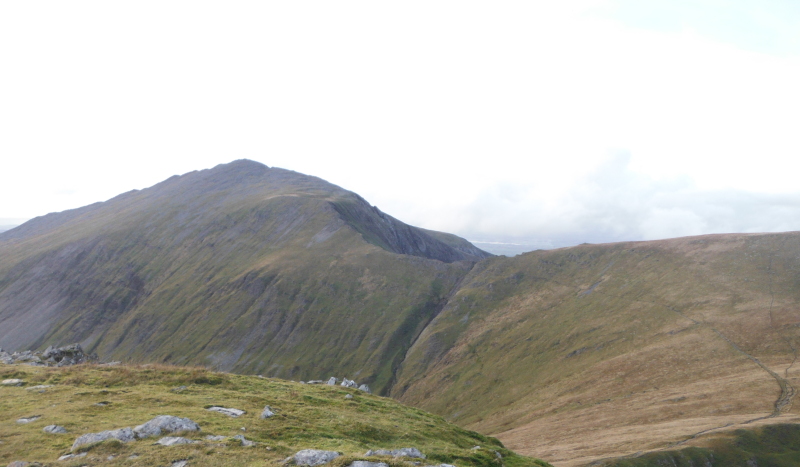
(241, 267)
(600, 351)
(581, 355)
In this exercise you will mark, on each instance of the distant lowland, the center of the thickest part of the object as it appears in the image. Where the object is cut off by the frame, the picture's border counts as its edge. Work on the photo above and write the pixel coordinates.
(634, 353)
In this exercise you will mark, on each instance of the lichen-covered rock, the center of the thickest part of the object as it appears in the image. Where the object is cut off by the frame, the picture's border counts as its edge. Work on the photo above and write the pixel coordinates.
(54, 429)
(332, 381)
(404, 452)
(165, 424)
(12, 382)
(267, 412)
(312, 457)
(364, 388)
(215, 438)
(228, 411)
(174, 441)
(348, 397)
(123, 434)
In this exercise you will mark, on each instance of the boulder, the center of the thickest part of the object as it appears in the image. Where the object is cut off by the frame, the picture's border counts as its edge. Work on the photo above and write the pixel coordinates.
(332, 381)
(29, 419)
(267, 412)
(245, 441)
(165, 424)
(404, 452)
(71, 456)
(123, 434)
(312, 457)
(215, 438)
(54, 429)
(349, 383)
(368, 464)
(12, 382)
(174, 441)
(39, 387)
(180, 463)
(348, 397)
(228, 411)
(364, 388)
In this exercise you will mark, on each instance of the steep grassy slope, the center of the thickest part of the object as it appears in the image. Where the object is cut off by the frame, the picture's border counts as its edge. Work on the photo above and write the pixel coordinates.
(240, 267)
(598, 351)
(88, 399)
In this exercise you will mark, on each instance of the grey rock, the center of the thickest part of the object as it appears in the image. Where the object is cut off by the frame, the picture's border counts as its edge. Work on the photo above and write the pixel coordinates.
(315, 381)
(404, 452)
(227, 411)
(349, 383)
(312, 457)
(348, 397)
(54, 429)
(245, 441)
(332, 381)
(40, 386)
(19, 464)
(174, 441)
(123, 434)
(368, 464)
(29, 419)
(165, 424)
(267, 412)
(71, 456)
(215, 438)
(364, 388)
(179, 389)
(181, 463)
(12, 382)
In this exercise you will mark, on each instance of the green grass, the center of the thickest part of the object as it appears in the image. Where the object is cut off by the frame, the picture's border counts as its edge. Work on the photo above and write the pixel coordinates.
(306, 417)
(769, 446)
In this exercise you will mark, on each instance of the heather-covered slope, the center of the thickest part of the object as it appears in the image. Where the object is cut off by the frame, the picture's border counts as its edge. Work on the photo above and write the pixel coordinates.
(599, 351)
(241, 267)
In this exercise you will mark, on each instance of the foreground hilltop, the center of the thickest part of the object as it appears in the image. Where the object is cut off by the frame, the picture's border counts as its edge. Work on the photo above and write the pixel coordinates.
(240, 267)
(46, 413)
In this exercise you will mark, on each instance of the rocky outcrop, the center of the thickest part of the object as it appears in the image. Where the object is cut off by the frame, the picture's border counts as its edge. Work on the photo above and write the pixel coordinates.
(368, 464)
(404, 452)
(267, 412)
(174, 441)
(154, 427)
(61, 356)
(227, 411)
(245, 442)
(312, 457)
(124, 435)
(165, 424)
(54, 429)
(348, 383)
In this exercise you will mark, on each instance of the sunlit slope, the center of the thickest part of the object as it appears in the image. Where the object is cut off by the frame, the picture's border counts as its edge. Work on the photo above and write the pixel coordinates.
(241, 267)
(604, 350)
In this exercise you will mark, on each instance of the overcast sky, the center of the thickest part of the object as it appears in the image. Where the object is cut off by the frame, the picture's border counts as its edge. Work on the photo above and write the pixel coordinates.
(534, 122)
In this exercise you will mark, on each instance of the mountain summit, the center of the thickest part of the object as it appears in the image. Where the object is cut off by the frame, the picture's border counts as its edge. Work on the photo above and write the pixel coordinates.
(241, 267)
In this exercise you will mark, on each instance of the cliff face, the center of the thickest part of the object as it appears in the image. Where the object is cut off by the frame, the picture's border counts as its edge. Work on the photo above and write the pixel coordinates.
(241, 267)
